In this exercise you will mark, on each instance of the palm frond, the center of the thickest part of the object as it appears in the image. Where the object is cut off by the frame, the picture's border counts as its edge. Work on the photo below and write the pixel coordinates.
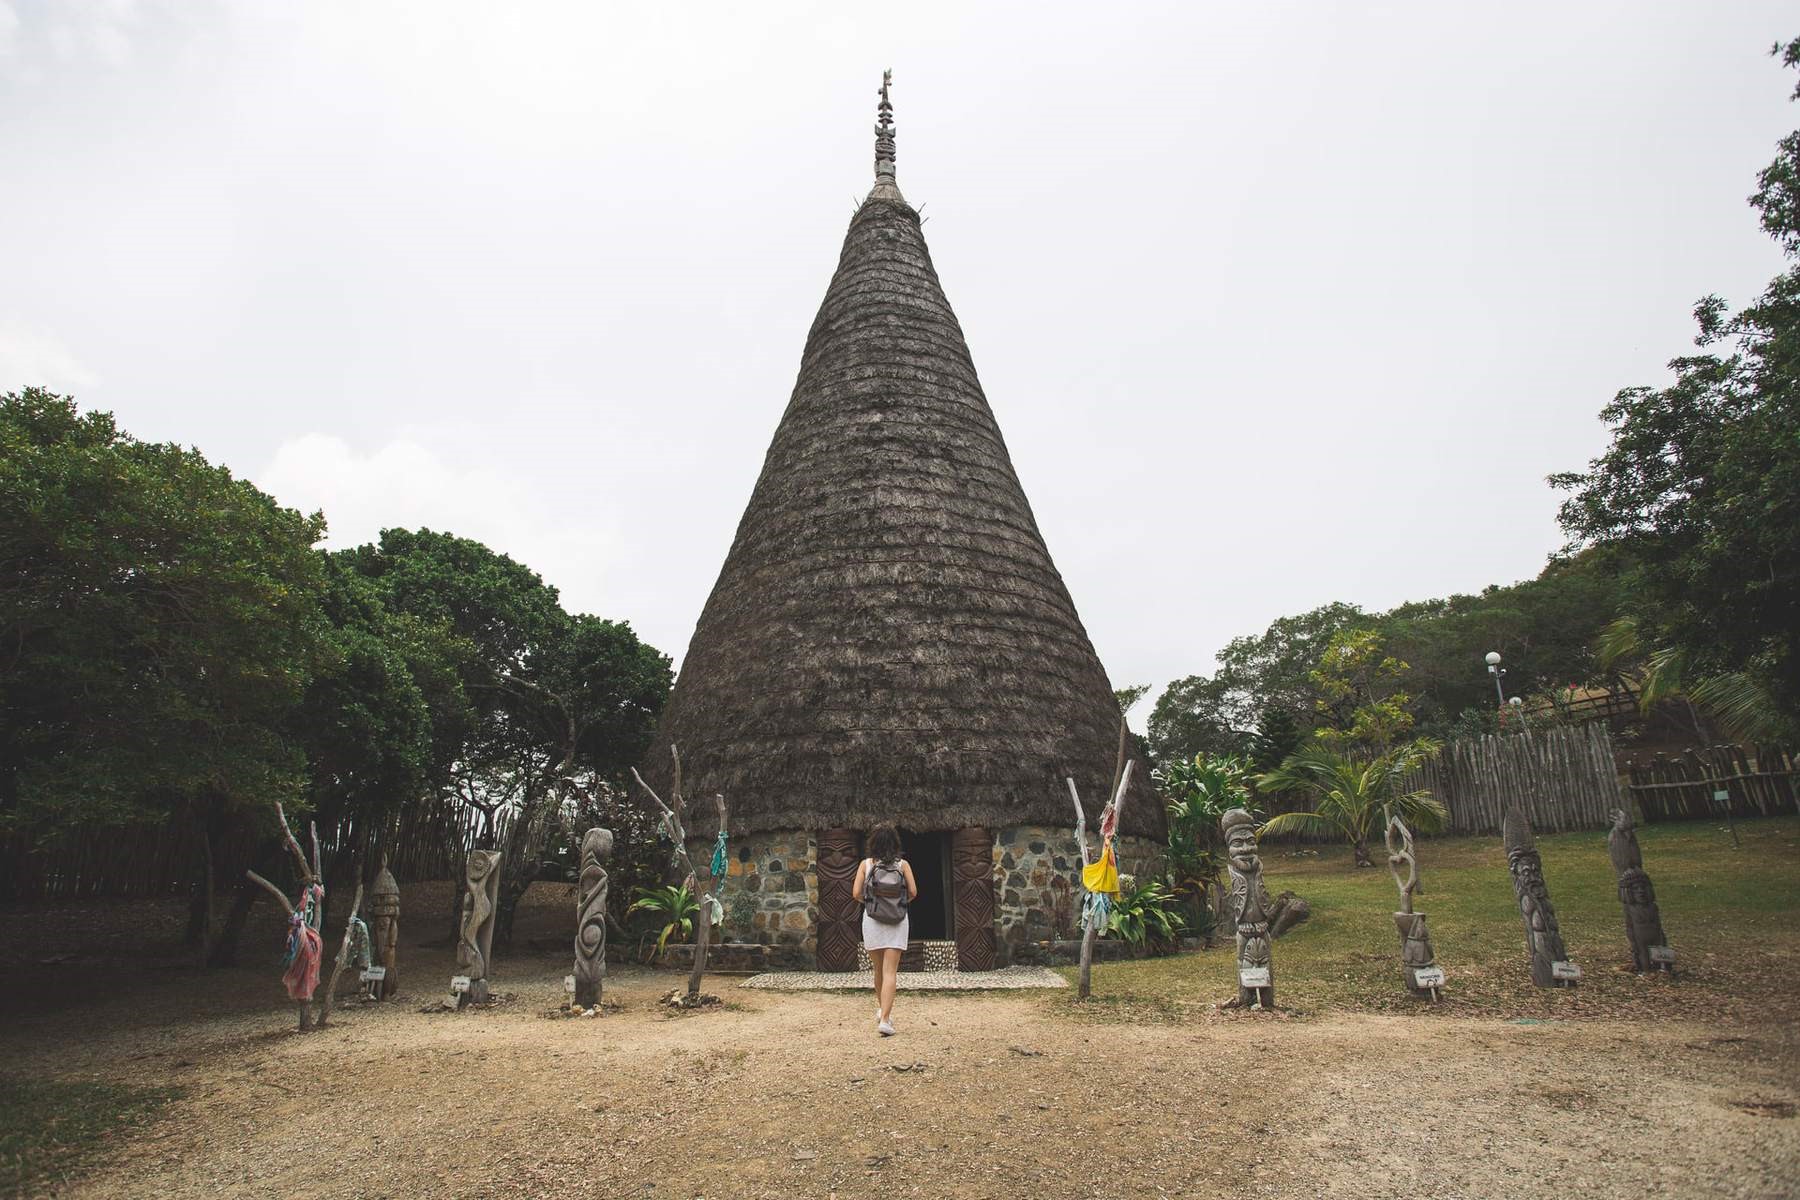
(1742, 706)
(1298, 822)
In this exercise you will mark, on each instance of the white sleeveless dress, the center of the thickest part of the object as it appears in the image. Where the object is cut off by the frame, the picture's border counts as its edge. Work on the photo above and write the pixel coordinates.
(876, 934)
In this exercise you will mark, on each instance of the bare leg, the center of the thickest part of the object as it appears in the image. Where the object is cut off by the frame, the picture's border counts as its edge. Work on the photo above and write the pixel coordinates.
(890, 979)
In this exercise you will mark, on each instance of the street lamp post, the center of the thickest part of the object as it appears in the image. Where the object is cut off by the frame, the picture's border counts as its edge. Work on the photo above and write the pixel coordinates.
(1496, 670)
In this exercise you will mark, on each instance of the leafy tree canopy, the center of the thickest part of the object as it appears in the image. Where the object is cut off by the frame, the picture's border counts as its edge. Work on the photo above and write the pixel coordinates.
(1700, 489)
(159, 620)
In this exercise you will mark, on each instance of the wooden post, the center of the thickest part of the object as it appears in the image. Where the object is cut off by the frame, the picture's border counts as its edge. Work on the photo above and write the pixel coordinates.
(343, 956)
(1091, 929)
(674, 825)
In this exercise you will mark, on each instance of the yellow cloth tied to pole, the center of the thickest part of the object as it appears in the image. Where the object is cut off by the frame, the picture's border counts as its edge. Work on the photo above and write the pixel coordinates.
(1102, 877)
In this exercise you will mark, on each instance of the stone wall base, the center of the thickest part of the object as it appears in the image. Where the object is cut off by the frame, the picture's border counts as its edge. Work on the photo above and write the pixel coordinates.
(735, 958)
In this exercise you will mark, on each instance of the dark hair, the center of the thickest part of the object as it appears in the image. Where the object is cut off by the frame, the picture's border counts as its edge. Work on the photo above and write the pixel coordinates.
(884, 842)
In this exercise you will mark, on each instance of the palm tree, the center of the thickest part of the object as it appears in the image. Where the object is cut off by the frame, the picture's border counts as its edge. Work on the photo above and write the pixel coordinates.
(1739, 703)
(1353, 797)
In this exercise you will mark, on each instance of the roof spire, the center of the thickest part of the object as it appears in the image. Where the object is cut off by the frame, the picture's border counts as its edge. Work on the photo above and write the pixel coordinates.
(884, 133)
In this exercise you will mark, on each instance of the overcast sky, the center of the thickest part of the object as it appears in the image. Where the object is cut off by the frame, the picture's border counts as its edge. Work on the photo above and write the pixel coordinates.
(1276, 304)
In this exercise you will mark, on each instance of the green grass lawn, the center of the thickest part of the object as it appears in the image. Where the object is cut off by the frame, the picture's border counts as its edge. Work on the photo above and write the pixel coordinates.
(1732, 915)
(48, 1126)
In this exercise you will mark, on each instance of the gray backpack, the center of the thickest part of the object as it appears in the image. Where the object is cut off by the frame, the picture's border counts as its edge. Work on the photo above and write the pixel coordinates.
(884, 893)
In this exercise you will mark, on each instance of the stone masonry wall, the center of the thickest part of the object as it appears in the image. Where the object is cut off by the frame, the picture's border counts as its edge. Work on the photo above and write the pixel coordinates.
(1037, 881)
(771, 894)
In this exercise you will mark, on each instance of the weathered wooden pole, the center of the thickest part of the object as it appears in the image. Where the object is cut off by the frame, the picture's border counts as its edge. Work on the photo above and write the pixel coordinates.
(343, 957)
(1089, 921)
(302, 976)
(703, 884)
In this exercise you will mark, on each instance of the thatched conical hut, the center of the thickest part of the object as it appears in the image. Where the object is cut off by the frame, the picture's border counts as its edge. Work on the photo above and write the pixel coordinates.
(889, 640)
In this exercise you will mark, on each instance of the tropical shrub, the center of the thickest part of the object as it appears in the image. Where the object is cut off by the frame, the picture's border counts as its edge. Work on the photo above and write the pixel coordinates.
(1198, 792)
(1147, 914)
(1354, 797)
(672, 904)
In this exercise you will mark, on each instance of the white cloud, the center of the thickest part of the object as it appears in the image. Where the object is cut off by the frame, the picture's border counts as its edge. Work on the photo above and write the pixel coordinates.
(33, 358)
(405, 484)
(9, 29)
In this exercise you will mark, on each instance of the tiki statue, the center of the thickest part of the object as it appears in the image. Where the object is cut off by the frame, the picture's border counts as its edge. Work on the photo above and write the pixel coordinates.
(1643, 923)
(590, 918)
(1543, 940)
(1249, 905)
(474, 948)
(384, 930)
(1417, 959)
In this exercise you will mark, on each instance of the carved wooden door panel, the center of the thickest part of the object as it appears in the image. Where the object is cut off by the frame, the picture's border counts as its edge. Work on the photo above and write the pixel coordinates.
(840, 917)
(972, 876)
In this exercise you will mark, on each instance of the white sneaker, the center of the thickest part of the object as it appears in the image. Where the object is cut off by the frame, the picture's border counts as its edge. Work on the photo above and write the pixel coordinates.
(886, 1029)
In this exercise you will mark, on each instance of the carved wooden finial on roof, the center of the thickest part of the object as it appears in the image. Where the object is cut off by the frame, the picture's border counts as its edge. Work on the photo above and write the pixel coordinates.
(884, 132)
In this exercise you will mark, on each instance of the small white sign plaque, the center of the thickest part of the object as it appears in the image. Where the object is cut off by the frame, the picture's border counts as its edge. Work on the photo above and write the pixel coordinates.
(1722, 795)
(1428, 977)
(569, 984)
(459, 984)
(1253, 977)
(374, 974)
(1662, 954)
(1564, 970)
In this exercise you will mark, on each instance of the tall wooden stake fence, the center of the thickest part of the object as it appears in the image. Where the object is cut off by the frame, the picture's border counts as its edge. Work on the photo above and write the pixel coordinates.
(1761, 783)
(430, 841)
(1564, 778)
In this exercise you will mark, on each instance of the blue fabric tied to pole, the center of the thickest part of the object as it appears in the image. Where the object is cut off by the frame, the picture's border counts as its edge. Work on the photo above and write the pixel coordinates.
(718, 858)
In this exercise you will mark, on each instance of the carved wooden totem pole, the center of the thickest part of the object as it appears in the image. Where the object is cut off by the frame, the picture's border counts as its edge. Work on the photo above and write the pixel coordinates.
(1249, 905)
(1643, 922)
(840, 932)
(1543, 939)
(1417, 959)
(475, 946)
(972, 886)
(384, 914)
(590, 918)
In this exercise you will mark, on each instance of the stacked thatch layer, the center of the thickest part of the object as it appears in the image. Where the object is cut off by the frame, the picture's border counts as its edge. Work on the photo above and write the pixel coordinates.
(888, 638)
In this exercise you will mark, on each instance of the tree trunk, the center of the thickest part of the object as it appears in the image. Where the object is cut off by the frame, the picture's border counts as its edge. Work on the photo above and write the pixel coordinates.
(506, 907)
(222, 951)
(702, 937)
(1087, 960)
(1362, 854)
(200, 903)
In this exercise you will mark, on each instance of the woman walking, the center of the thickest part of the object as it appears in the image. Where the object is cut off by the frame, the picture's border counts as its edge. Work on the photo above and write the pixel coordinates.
(885, 886)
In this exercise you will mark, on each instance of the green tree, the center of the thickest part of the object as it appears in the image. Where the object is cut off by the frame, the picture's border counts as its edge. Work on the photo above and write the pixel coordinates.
(1360, 702)
(159, 623)
(559, 705)
(1354, 797)
(1700, 488)
(1217, 714)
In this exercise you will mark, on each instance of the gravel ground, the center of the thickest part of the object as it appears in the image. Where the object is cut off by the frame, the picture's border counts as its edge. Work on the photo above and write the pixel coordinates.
(995, 1095)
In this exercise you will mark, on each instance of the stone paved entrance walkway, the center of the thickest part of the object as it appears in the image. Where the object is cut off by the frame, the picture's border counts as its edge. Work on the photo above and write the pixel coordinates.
(909, 981)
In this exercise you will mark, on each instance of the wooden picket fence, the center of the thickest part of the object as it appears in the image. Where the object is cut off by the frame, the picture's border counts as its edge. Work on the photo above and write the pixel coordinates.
(1564, 777)
(1757, 783)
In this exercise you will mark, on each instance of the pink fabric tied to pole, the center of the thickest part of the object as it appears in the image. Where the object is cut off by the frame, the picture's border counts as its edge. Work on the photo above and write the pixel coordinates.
(303, 973)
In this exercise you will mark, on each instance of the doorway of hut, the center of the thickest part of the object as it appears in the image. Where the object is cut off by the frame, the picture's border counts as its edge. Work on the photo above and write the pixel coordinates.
(932, 913)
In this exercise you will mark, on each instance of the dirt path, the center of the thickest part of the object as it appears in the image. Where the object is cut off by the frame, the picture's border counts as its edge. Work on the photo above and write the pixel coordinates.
(791, 1094)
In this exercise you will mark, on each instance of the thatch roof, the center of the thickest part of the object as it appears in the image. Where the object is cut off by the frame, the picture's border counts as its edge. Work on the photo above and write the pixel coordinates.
(888, 638)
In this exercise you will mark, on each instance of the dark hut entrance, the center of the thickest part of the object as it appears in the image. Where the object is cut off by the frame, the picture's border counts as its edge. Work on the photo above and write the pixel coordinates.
(932, 913)
(956, 896)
